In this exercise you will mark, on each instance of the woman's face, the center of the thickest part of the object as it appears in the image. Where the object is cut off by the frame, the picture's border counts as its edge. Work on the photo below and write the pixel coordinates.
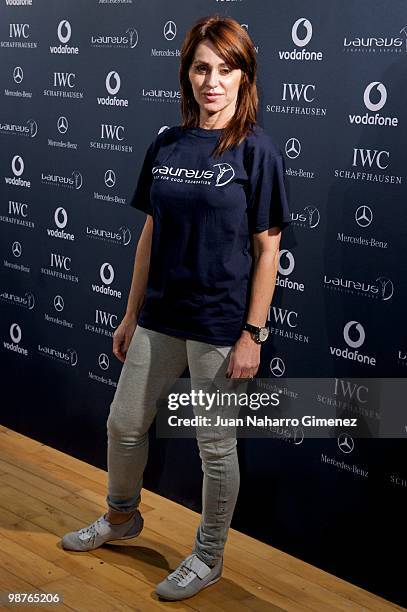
(215, 85)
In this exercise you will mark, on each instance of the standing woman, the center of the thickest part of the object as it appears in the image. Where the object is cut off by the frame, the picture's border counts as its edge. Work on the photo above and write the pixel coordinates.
(203, 280)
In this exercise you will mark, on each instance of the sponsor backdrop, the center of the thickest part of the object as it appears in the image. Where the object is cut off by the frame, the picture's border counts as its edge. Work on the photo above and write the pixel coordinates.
(83, 93)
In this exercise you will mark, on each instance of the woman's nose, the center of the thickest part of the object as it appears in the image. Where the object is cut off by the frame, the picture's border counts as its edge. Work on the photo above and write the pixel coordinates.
(213, 79)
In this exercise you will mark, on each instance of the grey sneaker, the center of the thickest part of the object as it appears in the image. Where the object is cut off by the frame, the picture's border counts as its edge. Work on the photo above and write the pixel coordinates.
(101, 531)
(191, 576)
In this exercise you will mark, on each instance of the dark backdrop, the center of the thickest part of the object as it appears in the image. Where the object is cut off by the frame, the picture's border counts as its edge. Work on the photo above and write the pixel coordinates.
(85, 87)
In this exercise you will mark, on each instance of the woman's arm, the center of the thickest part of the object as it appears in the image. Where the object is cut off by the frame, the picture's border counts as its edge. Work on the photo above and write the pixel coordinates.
(245, 358)
(265, 255)
(124, 332)
(140, 271)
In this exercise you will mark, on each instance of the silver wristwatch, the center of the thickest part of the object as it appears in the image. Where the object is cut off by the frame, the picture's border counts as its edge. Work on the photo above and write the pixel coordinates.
(259, 334)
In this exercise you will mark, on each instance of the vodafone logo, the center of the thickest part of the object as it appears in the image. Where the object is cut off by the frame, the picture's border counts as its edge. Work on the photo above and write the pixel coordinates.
(17, 165)
(356, 329)
(354, 335)
(301, 35)
(381, 90)
(112, 84)
(114, 77)
(15, 337)
(374, 99)
(61, 221)
(286, 265)
(107, 273)
(17, 168)
(15, 333)
(286, 262)
(303, 23)
(60, 217)
(64, 26)
(64, 33)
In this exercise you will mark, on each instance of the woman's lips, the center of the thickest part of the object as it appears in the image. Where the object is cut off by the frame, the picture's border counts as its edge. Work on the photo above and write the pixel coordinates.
(212, 97)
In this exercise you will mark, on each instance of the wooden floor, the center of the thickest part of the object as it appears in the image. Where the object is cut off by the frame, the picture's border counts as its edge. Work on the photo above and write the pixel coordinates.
(45, 493)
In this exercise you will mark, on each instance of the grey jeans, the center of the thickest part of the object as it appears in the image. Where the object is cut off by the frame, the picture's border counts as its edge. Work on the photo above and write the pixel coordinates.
(153, 360)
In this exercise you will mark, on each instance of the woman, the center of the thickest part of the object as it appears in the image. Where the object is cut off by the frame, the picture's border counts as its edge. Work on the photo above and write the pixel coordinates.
(203, 279)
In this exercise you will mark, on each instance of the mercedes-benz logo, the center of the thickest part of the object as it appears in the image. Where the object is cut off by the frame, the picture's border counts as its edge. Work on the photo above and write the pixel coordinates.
(18, 75)
(292, 148)
(277, 366)
(346, 443)
(110, 178)
(103, 361)
(170, 30)
(62, 125)
(363, 215)
(16, 249)
(107, 279)
(59, 303)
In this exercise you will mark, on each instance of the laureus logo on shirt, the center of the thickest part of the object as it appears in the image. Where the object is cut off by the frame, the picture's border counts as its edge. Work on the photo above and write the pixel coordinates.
(223, 174)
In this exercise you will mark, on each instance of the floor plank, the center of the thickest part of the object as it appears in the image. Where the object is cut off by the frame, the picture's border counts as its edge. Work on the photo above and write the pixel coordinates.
(44, 493)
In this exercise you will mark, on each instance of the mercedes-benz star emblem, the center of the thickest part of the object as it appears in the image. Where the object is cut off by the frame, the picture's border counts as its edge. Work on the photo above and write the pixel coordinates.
(363, 215)
(292, 148)
(170, 30)
(277, 366)
(18, 74)
(16, 249)
(346, 443)
(110, 178)
(103, 361)
(62, 125)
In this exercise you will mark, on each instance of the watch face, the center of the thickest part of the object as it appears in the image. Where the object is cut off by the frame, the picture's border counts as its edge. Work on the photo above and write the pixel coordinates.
(263, 335)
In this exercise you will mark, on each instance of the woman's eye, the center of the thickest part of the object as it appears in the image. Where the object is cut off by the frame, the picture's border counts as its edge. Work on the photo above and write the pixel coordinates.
(223, 70)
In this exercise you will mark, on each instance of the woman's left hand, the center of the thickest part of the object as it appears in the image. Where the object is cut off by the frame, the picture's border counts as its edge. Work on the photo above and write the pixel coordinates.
(245, 358)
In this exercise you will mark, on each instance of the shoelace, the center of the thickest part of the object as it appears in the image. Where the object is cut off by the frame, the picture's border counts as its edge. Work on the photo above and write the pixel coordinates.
(181, 573)
(86, 533)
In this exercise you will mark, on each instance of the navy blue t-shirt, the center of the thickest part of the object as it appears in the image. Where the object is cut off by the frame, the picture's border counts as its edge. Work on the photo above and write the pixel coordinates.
(205, 209)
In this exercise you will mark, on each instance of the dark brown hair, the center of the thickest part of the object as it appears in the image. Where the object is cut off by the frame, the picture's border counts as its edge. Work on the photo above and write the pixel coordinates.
(236, 48)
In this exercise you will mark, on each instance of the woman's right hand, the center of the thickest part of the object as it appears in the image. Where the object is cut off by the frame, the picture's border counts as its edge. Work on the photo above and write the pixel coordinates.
(123, 335)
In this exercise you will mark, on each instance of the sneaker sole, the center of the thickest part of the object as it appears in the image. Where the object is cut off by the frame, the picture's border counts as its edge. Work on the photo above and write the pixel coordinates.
(105, 542)
(124, 537)
(192, 594)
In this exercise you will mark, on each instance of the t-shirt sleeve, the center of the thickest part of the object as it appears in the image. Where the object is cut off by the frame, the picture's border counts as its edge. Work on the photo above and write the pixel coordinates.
(268, 204)
(141, 196)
